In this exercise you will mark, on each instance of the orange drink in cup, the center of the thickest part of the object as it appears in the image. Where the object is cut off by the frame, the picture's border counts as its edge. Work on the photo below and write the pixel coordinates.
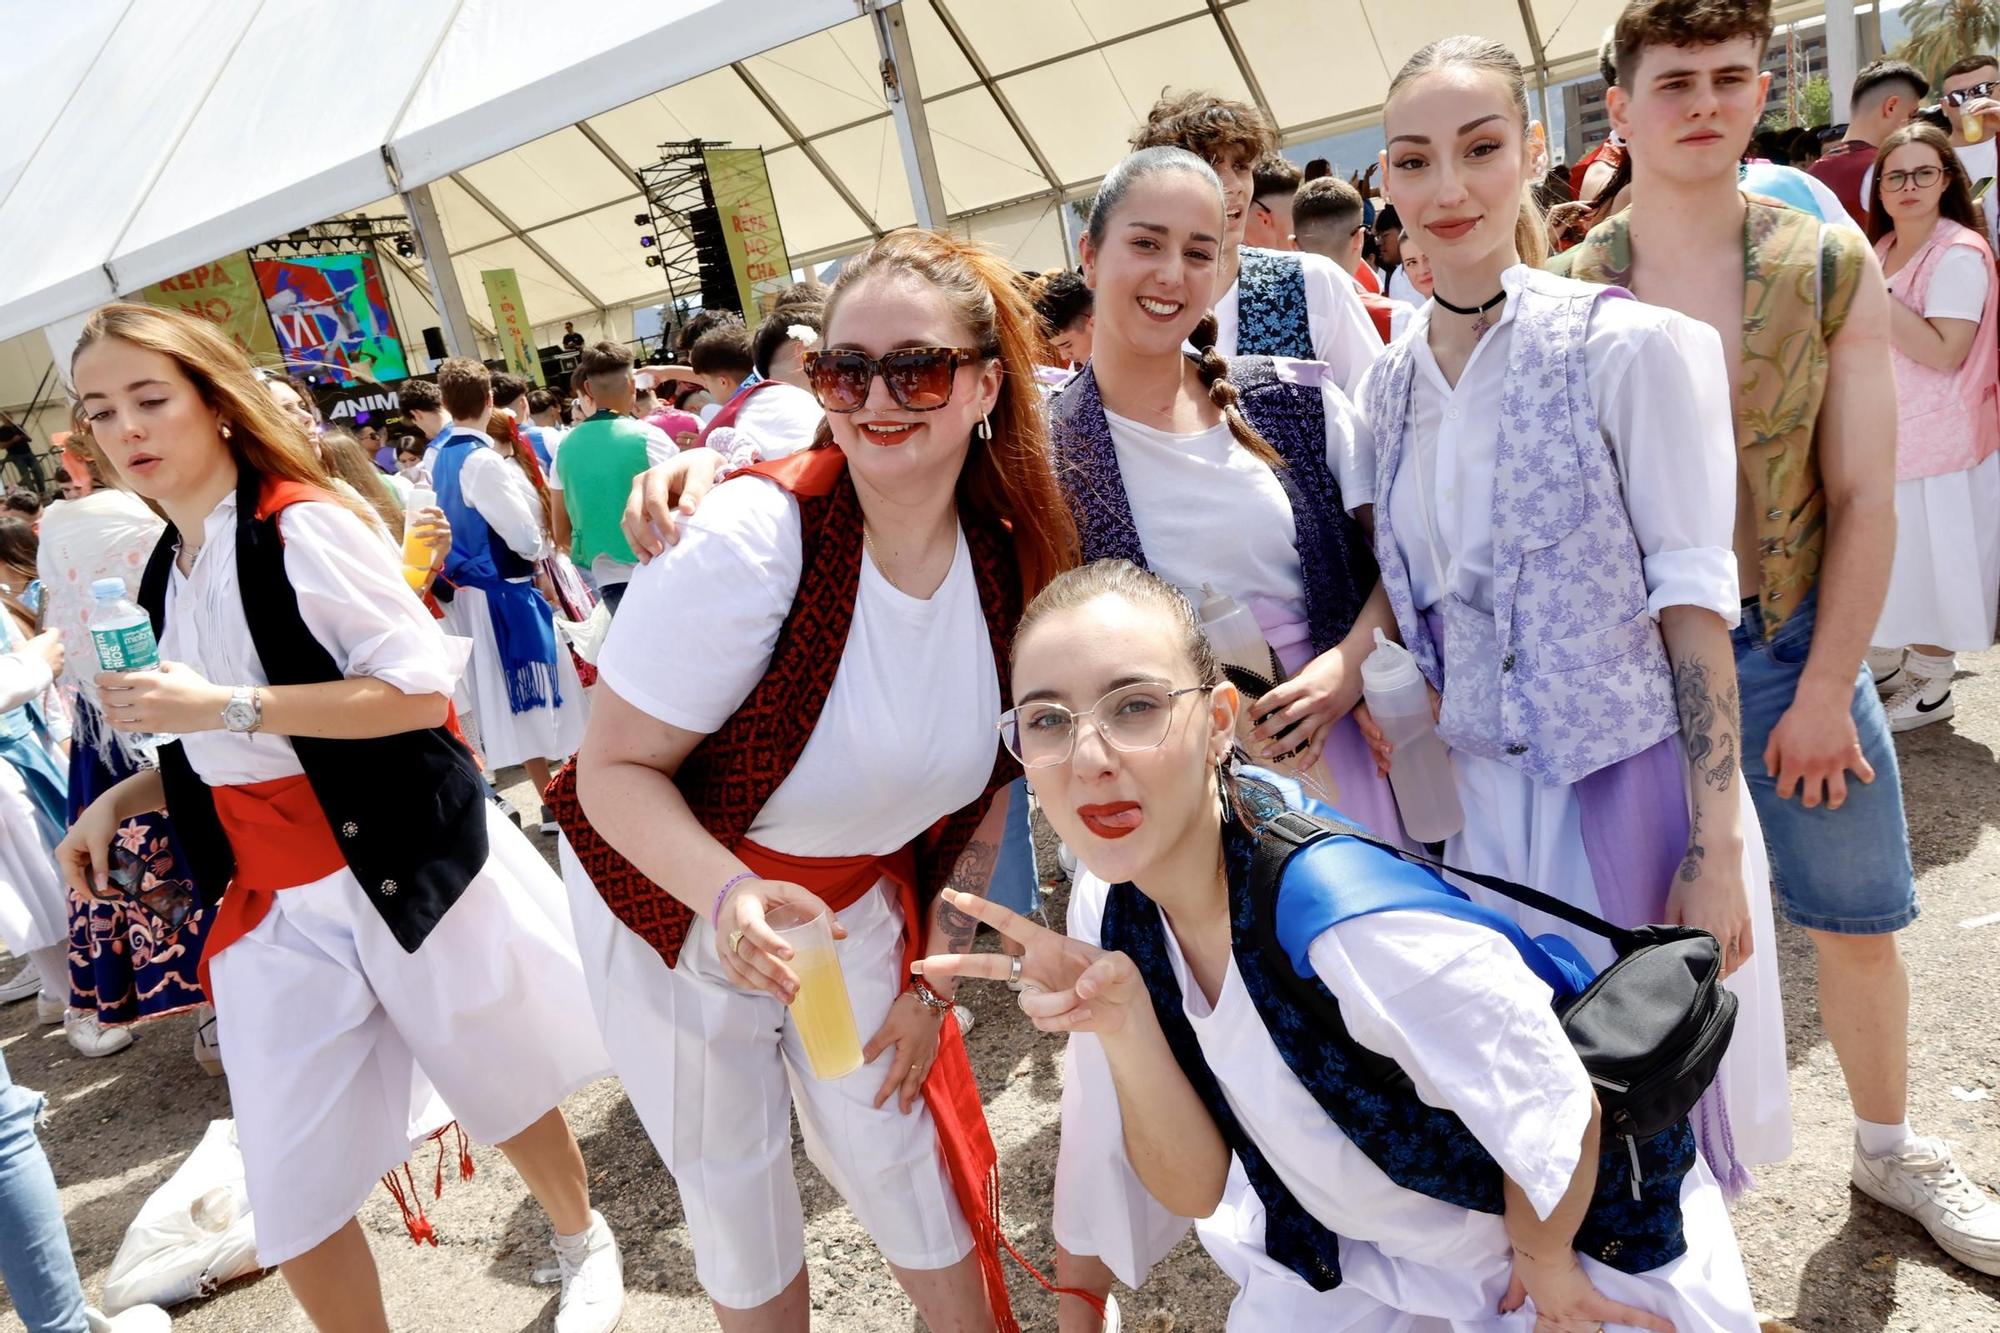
(821, 1010)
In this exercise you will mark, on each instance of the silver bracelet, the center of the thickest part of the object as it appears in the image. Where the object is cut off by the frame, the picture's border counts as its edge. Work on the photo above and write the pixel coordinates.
(929, 998)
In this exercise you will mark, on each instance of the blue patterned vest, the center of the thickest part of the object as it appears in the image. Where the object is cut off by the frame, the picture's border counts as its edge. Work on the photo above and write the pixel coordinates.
(1418, 1146)
(477, 554)
(1567, 674)
(1335, 564)
(1272, 318)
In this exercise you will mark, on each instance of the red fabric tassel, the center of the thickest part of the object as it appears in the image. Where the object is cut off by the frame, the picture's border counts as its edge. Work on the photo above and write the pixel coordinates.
(402, 1185)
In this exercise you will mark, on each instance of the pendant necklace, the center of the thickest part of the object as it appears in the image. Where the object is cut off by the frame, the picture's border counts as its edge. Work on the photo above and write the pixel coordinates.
(1481, 324)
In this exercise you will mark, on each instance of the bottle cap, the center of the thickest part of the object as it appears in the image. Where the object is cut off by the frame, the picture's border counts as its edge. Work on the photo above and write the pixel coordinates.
(103, 589)
(1389, 668)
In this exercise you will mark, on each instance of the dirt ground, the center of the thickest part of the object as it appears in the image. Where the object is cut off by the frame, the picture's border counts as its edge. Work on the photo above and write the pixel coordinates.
(1820, 1256)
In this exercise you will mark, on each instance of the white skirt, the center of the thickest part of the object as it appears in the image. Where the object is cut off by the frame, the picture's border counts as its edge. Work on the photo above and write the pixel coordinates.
(1530, 833)
(715, 1073)
(34, 906)
(1945, 583)
(502, 736)
(343, 1051)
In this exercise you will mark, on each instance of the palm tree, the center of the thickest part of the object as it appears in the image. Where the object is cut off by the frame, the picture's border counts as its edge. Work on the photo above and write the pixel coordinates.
(1942, 31)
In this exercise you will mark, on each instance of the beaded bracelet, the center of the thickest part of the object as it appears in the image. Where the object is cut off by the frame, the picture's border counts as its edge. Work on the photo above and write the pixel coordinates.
(715, 912)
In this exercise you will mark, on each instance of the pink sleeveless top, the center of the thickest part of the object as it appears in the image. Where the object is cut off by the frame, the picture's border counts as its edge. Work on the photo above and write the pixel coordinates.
(1946, 420)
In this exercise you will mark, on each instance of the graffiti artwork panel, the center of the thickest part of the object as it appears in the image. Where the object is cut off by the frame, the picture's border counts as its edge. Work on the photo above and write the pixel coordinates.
(331, 313)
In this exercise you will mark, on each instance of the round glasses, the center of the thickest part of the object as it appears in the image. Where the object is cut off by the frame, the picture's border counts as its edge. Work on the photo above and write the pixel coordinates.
(918, 378)
(1895, 182)
(1131, 718)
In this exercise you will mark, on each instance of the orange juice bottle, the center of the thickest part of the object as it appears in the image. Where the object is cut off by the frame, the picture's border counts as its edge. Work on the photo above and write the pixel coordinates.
(416, 553)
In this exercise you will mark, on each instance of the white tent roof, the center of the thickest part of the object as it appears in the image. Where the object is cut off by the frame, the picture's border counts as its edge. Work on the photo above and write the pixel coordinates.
(140, 139)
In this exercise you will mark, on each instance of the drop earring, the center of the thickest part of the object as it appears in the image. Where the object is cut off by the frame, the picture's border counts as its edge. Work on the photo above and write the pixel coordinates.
(1225, 782)
(984, 430)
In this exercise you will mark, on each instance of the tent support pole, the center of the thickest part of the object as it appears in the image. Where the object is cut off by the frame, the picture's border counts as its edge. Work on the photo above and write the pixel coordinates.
(458, 335)
(906, 104)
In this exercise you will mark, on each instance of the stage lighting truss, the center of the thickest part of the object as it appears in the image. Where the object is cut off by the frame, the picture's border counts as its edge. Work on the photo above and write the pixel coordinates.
(343, 236)
(676, 186)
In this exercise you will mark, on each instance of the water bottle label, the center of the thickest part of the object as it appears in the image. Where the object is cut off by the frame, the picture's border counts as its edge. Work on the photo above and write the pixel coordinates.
(126, 648)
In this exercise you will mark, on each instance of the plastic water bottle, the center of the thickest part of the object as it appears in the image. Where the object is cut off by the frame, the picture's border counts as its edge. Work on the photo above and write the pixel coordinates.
(122, 633)
(1420, 767)
(1234, 633)
(416, 552)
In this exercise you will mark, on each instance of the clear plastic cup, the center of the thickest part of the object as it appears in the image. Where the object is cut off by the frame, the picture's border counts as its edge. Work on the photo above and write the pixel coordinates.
(821, 1010)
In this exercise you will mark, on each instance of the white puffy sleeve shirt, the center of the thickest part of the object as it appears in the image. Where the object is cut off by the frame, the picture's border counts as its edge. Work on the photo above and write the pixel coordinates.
(1661, 389)
(506, 499)
(1343, 336)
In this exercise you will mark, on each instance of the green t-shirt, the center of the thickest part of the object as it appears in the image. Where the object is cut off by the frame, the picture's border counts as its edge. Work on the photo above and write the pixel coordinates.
(597, 461)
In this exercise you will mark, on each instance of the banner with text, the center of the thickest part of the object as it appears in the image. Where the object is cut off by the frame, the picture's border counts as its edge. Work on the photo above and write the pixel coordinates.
(749, 218)
(510, 323)
(225, 294)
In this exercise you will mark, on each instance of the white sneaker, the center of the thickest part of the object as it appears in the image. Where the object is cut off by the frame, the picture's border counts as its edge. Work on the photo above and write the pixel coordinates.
(1111, 1317)
(138, 1319)
(49, 1010)
(207, 1048)
(26, 982)
(1918, 704)
(1924, 1182)
(91, 1038)
(593, 1282)
(965, 1019)
(1885, 665)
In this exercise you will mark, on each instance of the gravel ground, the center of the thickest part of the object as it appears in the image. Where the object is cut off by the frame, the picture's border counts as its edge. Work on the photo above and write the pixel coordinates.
(1820, 1256)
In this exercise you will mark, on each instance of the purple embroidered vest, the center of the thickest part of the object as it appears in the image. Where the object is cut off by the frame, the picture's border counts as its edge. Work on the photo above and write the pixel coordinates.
(1567, 675)
(1335, 565)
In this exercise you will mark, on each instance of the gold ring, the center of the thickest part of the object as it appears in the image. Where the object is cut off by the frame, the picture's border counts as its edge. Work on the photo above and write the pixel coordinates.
(736, 942)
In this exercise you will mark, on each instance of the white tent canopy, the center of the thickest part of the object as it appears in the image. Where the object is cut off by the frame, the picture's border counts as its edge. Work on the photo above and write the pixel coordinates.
(140, 138)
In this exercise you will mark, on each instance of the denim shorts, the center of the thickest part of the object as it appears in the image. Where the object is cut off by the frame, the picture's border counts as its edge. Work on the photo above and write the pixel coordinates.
(1844, 871)
(1016, 878)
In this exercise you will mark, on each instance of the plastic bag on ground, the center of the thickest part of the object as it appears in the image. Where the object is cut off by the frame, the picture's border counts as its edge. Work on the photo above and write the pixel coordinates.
(194, 1234)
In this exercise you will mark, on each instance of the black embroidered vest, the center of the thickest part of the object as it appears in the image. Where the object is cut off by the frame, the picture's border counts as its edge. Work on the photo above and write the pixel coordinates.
(1272, 317)
(1418, 1146)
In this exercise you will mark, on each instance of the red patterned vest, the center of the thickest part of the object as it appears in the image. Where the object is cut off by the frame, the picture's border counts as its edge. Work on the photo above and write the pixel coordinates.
(731, 774)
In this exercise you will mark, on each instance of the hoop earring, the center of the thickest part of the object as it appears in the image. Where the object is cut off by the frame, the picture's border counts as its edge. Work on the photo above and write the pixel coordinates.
(984, 430)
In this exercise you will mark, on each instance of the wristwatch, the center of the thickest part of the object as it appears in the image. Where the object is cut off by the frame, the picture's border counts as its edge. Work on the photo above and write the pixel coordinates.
(245, 710)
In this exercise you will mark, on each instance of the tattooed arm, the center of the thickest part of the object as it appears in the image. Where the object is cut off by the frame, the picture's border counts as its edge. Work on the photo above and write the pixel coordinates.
(951, 930)
(1708, 890)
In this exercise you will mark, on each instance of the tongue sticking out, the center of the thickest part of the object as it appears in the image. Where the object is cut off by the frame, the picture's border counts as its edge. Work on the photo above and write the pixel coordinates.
(1112, 821)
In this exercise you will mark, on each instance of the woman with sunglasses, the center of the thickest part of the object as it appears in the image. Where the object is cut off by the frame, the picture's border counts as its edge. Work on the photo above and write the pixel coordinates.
(1945, 582)
(1334, 1198)
(824, 744)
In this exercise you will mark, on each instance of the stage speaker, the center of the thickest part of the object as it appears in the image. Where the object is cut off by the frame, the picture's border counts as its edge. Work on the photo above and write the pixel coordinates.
(718, 279)
(434, 343)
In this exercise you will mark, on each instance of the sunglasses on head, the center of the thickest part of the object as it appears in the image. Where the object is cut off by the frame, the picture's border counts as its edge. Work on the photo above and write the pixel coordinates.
(1964, 95)
(919, 379)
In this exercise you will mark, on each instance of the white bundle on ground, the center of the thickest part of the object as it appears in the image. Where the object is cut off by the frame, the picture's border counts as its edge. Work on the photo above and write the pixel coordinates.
(194, 1234)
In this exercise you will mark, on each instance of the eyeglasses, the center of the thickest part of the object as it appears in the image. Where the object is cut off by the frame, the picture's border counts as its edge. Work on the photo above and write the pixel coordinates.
(1894, 182)
(918, 378)
(1130, 719)
(1964, 95)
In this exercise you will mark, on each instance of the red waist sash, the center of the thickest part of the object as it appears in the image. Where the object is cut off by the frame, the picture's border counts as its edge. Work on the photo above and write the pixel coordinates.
(949, 1090)
(281, 840)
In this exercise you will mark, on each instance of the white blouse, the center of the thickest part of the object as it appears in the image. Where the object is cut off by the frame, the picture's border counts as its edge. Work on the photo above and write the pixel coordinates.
(351, 596)
(1661, 390)
(505, 498)
(1343, 336)
(906, 735)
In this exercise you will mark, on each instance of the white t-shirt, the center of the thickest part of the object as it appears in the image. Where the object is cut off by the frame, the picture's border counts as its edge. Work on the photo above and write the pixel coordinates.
(776, 422)
(1958, 286)
(906, 736)
(1343, 337)
(1981, 160)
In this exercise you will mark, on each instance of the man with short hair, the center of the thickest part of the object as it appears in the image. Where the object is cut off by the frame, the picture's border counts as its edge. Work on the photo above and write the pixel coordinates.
(594, 469)
(772, 418)
(1804, 319)
(1887, 94)
(1326, 220)
(510, 395)
(572, 341)
(1273, 182)
(1067, 309)
(1966, 92)
(423, 407)
(1396, 284)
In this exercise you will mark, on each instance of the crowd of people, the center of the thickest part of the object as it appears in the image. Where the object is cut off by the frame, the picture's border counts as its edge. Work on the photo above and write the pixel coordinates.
(1604, 449)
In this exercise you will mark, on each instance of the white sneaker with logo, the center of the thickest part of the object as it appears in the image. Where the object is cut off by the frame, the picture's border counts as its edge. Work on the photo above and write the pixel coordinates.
(1924, 1182)
(1918, 704)
(592, 1274)
(26, 982)
(90, 1038)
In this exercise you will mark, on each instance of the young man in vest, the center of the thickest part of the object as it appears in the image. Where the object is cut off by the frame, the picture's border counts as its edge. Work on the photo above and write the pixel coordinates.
(1808, 329)
(594, 469)
(1268, 302)
(1327, 221)
(1886, 95)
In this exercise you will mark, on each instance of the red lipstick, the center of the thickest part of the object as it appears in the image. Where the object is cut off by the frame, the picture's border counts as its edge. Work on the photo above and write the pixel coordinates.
(1114, 820)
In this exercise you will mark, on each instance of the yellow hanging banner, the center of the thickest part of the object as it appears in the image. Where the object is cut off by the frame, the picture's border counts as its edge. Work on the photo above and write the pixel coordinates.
(749, 217)
(510, 323)
(225, 294)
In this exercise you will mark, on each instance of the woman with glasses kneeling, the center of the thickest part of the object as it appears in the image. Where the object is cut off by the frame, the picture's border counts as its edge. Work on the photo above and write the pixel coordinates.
(793, 718)
(1335, 1199)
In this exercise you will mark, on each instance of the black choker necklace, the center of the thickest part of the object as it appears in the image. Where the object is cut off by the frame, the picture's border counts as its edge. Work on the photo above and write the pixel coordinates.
(1481, 324)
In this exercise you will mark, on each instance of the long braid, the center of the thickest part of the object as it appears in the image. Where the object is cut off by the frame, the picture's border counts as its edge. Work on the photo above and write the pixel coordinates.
(1214, 371)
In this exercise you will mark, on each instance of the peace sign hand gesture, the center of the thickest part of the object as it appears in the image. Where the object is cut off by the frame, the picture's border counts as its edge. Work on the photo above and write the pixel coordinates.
(1065, 985)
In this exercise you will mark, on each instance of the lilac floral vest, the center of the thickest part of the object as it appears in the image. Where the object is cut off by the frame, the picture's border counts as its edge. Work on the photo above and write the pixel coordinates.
(1567, 675)
(1335, 565)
